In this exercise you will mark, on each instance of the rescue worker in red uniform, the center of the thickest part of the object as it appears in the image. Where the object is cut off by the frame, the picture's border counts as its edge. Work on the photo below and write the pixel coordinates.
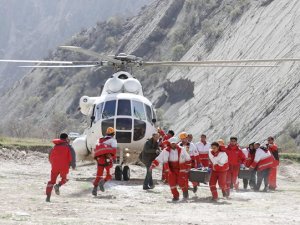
(235, 158)
(220, 166)
(164, 142)
(61, 157)
(272, 147)
(203, 148)
(178, 163)
(187, 144)
(263, 163)
(105, 153)
(249, 154)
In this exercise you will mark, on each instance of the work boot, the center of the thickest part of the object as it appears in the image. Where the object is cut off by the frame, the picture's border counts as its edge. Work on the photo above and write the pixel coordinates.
(48, 198)
(175, 199)
(214, 199)
(195, 188)
(56, 189)
(94, 192)
(266, 189)
(101, 185)
(225, 194)
(186, 194)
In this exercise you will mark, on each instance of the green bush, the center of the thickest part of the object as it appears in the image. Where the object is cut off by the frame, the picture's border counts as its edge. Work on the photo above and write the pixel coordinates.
(178, 51)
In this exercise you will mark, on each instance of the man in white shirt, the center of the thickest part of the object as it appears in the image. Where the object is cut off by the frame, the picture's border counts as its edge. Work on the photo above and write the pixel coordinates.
(203, 148)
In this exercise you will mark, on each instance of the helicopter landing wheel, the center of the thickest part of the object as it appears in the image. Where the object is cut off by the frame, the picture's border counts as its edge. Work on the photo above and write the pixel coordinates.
(118, 172)
(126, 173)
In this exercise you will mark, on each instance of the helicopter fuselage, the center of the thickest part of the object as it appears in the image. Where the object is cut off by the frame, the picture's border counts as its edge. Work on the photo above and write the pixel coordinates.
(130, 114)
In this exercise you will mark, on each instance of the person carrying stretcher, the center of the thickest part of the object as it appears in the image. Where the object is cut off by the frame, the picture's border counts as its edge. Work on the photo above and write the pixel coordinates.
(220, 166)
(177, 162)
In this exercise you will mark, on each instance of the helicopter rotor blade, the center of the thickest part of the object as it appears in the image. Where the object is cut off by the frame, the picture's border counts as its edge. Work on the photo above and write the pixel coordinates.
(35, 61)
(89, 53)
(215, 62)
(61, 66)
(212, 65)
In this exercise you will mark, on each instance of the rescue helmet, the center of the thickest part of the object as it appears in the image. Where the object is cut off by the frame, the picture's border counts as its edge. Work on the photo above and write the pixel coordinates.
(110, 130)
(183, 135)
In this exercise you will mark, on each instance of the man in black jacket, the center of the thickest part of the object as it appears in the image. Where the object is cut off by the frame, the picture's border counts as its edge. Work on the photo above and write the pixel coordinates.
(149, 153)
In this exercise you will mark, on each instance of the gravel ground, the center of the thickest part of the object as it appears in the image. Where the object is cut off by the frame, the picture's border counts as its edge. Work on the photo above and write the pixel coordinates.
(23, 177)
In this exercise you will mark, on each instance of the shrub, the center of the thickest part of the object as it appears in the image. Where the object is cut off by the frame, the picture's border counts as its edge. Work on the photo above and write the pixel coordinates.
(178, 51)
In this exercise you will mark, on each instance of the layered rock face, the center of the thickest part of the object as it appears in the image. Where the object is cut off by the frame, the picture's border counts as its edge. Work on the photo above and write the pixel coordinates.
(251, 103)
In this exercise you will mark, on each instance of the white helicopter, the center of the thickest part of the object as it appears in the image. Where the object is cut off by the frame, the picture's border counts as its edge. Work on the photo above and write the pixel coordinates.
(122, 104)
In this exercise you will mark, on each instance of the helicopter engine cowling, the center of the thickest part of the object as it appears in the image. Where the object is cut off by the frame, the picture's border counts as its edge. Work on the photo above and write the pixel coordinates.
(80, 147)
(114, 85)
(86, 103)
(132, 85)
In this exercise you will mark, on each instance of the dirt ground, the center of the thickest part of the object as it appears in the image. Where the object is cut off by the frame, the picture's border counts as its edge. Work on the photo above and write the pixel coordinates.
(23, 178)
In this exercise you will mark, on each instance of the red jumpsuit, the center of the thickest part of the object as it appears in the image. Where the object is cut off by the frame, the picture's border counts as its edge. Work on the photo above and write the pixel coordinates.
(273, 172)
(177, 162)
(219, 164)
(191, 149)
(235, 158)
(164, 144)
(203, 149)
(263, 162)
(60, 158)
(104, 154)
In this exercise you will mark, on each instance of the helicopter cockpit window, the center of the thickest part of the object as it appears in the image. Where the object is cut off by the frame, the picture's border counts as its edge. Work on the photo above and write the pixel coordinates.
(105, 124)
(138, 110)
(109, 109)
(149, 113)
(123, 124)
(139, 130)
(124, 108)
(98, 111)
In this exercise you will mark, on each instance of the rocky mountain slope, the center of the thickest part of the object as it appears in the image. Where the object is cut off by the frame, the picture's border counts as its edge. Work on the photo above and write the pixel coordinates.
(251, 103)
(30, 29)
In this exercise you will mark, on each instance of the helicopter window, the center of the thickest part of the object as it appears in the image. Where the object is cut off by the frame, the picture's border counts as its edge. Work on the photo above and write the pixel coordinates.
(124, 108)
(98, 111)
(153, 113)
(123, 77)
(109, 109)
(138, 110)
(124, 124)
(149, 113)
(123, 137)
(139, 130)
(106, 124)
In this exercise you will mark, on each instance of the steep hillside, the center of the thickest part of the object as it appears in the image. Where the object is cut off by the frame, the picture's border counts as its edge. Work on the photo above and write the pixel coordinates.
(251, 103)
(30, 29)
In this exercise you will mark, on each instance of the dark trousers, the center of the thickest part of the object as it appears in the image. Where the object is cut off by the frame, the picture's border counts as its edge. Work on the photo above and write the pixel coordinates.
(262, 176)
(251, 181)
(148, 182)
